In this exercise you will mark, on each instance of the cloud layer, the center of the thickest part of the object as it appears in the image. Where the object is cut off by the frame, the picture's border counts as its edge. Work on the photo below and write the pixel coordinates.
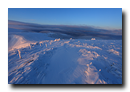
(70, 30)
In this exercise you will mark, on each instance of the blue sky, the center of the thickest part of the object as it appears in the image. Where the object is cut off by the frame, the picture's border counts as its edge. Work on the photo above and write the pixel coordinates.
(110, 18)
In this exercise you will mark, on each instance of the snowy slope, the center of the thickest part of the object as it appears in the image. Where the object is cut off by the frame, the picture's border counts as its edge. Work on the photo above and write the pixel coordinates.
(45, 60)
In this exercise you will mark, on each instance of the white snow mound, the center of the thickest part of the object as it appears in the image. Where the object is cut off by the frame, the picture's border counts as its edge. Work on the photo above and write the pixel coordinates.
(17, 42)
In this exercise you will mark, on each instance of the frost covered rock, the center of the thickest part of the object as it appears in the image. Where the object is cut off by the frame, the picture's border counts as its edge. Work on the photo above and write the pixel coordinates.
(19, 54)
(93, 39)
(57, 39)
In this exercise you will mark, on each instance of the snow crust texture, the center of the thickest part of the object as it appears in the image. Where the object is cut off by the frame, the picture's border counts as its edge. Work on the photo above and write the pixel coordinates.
(59, 61)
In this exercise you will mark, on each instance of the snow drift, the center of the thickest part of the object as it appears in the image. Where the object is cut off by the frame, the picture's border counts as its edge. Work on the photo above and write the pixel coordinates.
(17, 42)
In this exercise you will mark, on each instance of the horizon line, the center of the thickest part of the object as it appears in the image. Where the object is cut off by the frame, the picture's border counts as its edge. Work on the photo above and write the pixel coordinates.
(95, 27)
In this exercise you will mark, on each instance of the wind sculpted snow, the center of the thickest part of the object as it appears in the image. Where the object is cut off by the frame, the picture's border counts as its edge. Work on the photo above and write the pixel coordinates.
(63, 61)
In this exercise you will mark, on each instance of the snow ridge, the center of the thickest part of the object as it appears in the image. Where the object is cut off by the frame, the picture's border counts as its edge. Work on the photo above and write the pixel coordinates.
(59, 61)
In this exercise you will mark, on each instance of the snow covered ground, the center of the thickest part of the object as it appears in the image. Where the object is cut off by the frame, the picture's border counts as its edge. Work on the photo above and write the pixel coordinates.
(36, 58)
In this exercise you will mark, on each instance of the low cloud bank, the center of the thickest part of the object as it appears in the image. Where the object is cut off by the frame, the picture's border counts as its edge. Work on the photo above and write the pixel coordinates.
(72, 31)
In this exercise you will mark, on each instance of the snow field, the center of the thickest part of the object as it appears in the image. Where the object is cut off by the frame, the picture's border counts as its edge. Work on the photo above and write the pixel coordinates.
(58, 61)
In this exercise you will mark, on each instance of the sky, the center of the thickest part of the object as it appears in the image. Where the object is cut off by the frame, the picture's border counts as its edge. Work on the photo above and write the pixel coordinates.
(109, 18)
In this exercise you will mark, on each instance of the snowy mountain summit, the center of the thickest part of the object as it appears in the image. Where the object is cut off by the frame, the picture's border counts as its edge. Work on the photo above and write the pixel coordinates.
(38, 58)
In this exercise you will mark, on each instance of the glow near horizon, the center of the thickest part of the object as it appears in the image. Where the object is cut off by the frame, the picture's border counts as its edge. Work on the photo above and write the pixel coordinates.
(97, 17)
